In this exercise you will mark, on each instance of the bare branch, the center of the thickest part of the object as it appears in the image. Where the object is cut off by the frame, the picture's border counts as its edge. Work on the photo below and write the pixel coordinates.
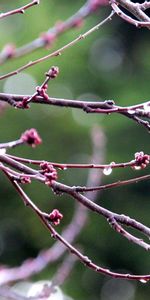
(119, 183)
(84, 259)
(60, 50)
(135, 9)
(18, 171)
(136, 113)
(49, 37)
(79, 219)
(20, 10)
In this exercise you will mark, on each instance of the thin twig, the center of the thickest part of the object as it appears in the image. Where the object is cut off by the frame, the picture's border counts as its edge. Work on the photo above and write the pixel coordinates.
(71, 232)
(20, 10)
(109, 215)
(137, 112)
(60, 50)
(82, 189)
(124, 16)
(49, 37)
(84, 259)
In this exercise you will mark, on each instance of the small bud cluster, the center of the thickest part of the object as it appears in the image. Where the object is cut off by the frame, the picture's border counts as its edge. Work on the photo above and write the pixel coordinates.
(60, 26)
(141, 160)
(31, 137)
(49, 171)
(25, 179)
(55, 217)
(48, 38)
(9, 51)
(53, 72)
(78, 23)
(96, 3)
(42, 91)
(23, 104)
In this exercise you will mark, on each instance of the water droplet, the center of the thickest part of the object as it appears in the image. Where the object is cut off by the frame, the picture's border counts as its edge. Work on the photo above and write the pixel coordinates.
(53, 235)
(107, 171)
(137, 168)
(2, 151)
(64, 168)
(143, 280)
(131, 111)
(112, 163)
(146, 108)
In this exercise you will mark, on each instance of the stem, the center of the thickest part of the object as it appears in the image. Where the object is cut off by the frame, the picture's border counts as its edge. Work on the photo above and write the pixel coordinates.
(20, 10)
(111, 185)
(60, 50)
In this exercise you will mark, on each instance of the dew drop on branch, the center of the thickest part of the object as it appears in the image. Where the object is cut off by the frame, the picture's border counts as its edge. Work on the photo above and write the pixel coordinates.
(107, 171)
(143, 280)
(131, 111)
(2, 151)
(146, 107)
(137, 168)
(64, 168)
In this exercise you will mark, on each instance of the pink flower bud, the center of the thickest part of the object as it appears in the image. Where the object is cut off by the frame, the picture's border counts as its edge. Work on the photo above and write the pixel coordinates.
(31, 137)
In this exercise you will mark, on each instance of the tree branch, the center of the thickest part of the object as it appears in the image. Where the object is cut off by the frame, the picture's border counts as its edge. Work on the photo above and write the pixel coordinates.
(60, 50)
(20, 10)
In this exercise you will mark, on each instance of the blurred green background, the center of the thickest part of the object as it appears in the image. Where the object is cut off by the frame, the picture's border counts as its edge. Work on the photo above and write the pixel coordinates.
(112, 63)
